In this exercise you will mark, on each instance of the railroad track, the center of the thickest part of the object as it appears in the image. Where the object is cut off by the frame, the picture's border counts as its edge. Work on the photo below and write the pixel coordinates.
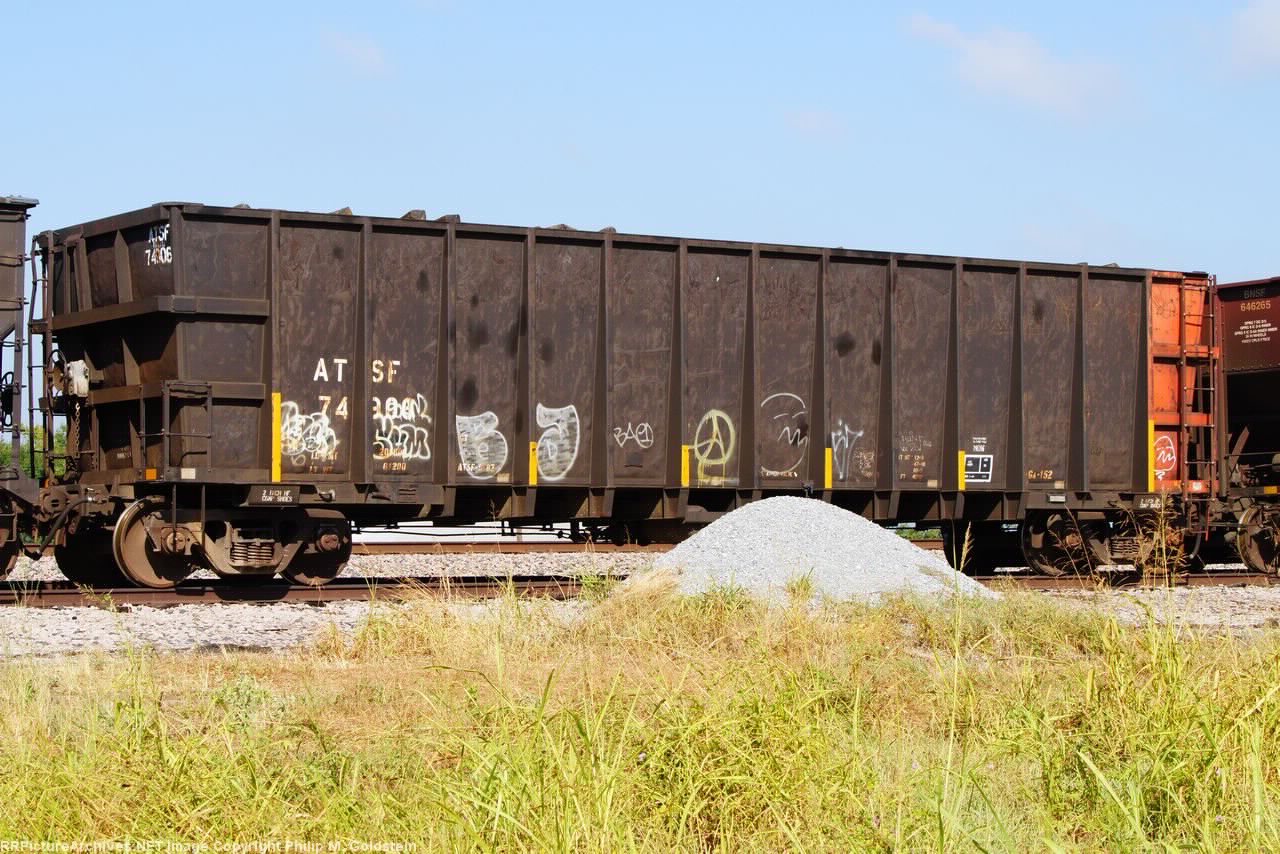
(504, 547)
(55, 594)
(516, 547)
(1222, 578)
(63, 594)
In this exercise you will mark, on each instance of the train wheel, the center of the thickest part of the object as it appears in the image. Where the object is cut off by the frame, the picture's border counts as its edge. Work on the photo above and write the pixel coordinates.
(138, 559)
(86, 559)
(1256, 542)
(1056, 543)
(318, 563)
(315, 569)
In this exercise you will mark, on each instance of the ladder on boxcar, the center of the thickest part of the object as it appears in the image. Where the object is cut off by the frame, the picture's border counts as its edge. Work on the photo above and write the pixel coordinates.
(1197, 399)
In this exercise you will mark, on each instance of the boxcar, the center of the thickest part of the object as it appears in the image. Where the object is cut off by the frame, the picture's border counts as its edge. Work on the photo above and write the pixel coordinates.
(241, 386)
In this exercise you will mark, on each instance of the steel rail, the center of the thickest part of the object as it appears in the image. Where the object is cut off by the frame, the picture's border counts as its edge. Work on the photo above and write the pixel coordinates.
(516, 547)
(63, 594)
(1225, 578)
(503, 547)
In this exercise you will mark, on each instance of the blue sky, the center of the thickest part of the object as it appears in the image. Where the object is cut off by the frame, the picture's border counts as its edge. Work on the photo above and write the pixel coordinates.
(1145, 134)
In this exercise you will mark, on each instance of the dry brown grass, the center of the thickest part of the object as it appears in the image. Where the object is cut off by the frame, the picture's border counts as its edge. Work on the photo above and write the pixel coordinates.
(655, 722)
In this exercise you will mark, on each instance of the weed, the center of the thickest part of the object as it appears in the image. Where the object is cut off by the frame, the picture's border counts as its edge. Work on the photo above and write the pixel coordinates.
(650, 721)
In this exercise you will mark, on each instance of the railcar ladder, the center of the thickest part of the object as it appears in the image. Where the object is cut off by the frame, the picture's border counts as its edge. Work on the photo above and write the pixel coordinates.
(1197, 399)
(41, 296)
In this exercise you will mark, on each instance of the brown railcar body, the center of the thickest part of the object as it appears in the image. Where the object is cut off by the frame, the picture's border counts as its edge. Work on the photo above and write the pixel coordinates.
(373, 370)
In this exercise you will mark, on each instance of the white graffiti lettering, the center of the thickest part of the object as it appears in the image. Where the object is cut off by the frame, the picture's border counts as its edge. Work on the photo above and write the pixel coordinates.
(641, 434)
(1166, 456)
(843, 438)
(306, 439)
(400, 429)
(482, 450)
(557, 448)
(789, 415)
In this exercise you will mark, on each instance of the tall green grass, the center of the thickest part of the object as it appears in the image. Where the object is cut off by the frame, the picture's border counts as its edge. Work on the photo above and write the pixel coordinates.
(653, 722)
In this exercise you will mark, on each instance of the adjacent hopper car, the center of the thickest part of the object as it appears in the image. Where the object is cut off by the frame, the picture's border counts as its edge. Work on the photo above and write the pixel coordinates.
(241, 387)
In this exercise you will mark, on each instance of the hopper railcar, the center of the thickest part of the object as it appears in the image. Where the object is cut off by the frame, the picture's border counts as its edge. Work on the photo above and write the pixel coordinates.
(1249, 329)
(242, 386)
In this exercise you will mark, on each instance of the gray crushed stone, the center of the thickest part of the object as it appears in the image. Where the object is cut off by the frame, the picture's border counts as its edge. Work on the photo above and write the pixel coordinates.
(1235, 610)
(430, 566)
(276, 626)
(764, 546)
(230, 627)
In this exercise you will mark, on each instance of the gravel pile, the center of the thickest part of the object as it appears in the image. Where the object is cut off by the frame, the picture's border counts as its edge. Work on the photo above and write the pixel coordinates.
(766, 545)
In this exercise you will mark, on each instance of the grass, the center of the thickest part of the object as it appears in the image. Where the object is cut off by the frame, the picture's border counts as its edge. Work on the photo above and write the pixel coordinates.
(661, 723)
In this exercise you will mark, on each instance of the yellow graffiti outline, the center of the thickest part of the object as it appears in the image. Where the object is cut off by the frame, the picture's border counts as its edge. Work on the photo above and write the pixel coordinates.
(702, 448)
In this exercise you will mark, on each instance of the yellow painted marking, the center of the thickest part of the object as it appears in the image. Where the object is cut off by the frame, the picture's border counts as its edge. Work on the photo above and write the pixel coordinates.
(533, 463)
(826, 471)
(685, 450)
(149, 474)
(1151, 455)
(275, 437)
(1270, 490)
(961, 480)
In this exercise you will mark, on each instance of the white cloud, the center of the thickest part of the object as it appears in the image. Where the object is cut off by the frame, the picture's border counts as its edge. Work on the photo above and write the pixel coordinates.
(1015, 65)
(361, 53)
(1255, 34)
(819, 124)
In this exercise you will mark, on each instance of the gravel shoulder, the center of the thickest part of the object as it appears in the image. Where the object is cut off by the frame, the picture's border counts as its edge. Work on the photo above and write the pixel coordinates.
(283, 626)
(267, 627)
(1229, 609)
(429, 566)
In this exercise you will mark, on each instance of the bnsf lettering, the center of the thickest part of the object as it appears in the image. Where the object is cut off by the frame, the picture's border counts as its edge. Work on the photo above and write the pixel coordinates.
(1253, 293)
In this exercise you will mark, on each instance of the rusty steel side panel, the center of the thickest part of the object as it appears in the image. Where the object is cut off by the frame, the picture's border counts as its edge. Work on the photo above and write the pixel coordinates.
(13, 251)
(224, 257)
(786, 304)
(986, 329)
(488, 308)
(1049, 372)
(579, 361)
(641, 308)
(921, 335)
(714, 308)
(402, 322)
(316, 364)
(1250, 318)
(565, 306)
(103, 285)
(1113, 367)
(220, 351)
(854, 302)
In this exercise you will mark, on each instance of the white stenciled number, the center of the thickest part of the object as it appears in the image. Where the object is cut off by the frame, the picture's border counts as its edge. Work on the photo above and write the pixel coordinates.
(158, 251)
